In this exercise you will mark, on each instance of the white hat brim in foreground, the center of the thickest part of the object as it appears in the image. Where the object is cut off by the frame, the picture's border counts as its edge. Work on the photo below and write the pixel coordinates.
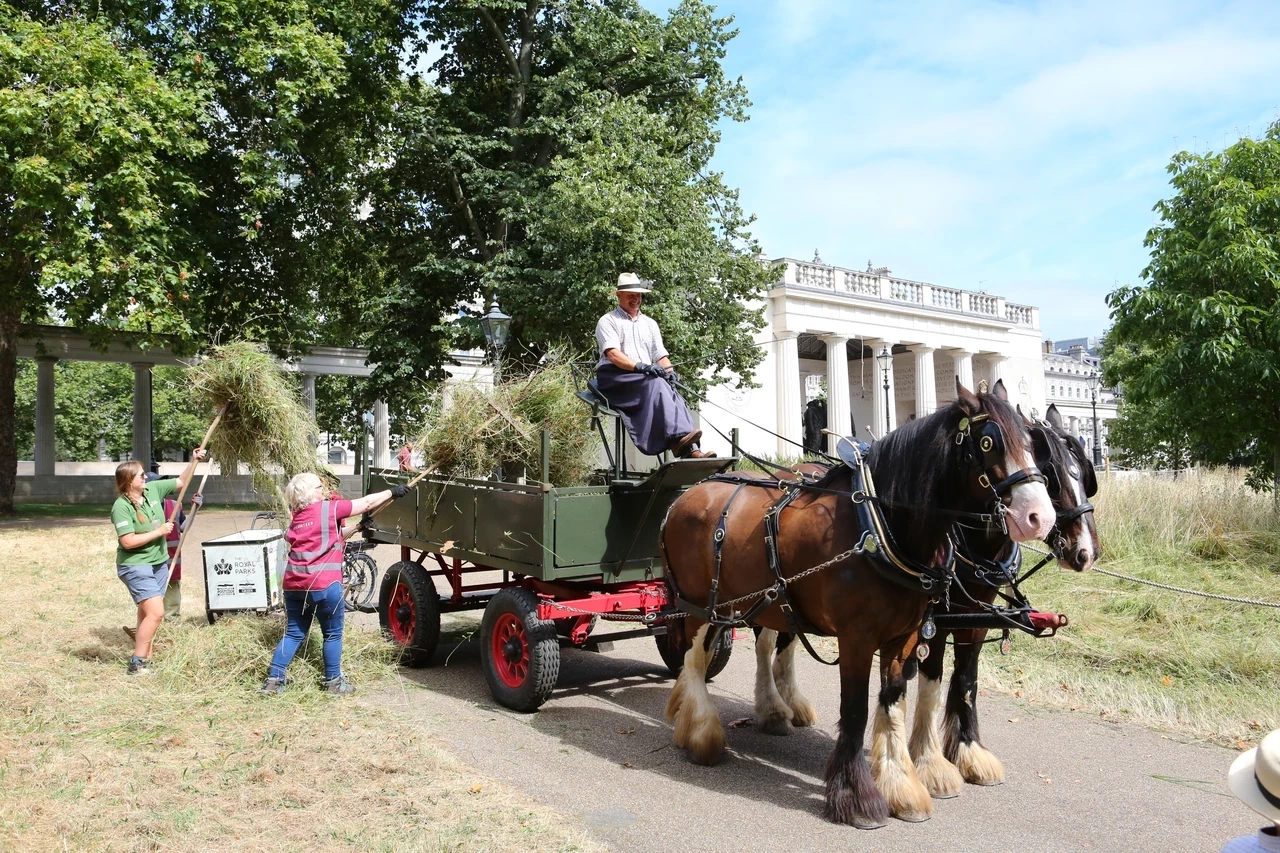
(1242, 783)
(633, 288)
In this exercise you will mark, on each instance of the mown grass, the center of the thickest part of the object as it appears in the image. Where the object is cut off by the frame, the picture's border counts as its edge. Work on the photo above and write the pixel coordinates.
(1199, 667)
(193, 758)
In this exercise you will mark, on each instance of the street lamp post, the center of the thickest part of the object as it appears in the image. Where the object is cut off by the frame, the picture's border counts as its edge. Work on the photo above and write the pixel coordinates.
(885, 360)
(1095, 382)
(497, 328)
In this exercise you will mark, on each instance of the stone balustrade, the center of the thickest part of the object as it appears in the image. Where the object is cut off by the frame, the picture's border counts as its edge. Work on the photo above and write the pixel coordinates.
(879, 285)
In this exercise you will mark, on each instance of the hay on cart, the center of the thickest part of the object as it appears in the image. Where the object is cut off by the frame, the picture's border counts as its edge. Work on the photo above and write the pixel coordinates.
(482, 429)
(264, 424)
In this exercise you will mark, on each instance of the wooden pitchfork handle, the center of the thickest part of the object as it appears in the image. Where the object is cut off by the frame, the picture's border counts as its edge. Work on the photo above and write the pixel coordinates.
(177, 504)
(194, 510)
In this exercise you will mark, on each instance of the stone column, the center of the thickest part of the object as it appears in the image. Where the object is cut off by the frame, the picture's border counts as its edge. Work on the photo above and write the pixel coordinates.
(787, 379)
(309, 393)
(381, 435)
(878, 427)
(837, 388)
(309, 402)
(45, 449)
(926, 388)
(1000, 371)
(964, 368)
(142, 413)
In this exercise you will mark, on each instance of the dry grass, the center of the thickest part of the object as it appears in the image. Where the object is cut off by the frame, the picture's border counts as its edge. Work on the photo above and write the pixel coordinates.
(1195, 666)
(482, 428)
(192, 758)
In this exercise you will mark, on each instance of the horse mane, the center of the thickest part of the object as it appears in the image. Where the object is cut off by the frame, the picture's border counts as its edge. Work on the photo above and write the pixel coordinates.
(914, 468)
(918, 467)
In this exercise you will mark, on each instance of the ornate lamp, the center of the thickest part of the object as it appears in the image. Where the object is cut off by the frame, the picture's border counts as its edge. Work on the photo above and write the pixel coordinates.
(497, 329)
(1095, 382)
(885, 360)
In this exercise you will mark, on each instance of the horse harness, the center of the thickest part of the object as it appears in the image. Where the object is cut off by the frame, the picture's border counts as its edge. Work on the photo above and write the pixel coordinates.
(875, 544)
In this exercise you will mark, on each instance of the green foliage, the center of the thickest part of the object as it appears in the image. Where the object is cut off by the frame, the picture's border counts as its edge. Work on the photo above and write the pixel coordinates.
(1199, 342)
(565, 142)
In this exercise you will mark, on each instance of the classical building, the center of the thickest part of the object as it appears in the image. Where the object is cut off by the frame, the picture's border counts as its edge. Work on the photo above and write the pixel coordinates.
(825, 325)
(1069, 367)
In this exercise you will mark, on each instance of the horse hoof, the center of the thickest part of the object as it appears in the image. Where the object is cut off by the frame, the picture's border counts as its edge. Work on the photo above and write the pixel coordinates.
(777, 726)
(978, 766)
(939, 776)
(913, 816)
(868, 823)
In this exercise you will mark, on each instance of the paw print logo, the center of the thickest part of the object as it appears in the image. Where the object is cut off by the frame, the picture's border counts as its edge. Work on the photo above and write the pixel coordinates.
(222, 567)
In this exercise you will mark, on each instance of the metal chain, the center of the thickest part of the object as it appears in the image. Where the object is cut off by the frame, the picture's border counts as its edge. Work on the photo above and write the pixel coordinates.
(654, 617)
(1166, 586)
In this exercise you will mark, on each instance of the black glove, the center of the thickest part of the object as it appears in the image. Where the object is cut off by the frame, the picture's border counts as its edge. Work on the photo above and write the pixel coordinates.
(671, 376)
(399, 491)
(642, 367)
(657, 371)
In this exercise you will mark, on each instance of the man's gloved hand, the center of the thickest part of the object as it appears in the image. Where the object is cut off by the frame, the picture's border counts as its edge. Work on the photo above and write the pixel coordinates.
(642, 367)
(197, 500)
(671, 376)
(399, 491)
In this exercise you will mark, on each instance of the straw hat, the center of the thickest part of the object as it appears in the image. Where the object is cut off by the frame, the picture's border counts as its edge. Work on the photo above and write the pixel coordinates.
(629, 282)
(1254, 777)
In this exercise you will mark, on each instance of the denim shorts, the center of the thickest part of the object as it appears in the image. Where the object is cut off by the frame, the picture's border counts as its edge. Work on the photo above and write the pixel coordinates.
(145, 581)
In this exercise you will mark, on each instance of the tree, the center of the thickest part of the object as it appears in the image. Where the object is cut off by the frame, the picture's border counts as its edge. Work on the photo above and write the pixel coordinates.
(1201, 337)
(92, 138)
(561, 143)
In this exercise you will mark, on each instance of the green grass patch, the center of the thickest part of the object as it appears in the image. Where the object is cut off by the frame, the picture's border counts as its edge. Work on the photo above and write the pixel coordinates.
(1200, 667)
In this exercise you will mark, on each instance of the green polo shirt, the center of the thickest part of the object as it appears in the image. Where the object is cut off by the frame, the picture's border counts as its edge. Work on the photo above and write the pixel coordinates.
(124, 519)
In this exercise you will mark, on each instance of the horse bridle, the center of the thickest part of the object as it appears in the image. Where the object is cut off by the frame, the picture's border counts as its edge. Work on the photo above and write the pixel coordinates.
(986, 451)
(1053, 482)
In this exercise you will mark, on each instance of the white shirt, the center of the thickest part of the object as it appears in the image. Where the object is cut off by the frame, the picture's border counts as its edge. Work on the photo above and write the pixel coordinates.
(636, 337)
(1260, 842)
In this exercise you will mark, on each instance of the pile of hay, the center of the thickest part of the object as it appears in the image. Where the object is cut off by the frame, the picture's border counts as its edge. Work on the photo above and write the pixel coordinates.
(482, 428)
(265, 425)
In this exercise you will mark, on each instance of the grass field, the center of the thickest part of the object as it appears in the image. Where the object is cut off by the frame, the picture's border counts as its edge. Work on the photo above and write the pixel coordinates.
(192, 758)
(1198, 667)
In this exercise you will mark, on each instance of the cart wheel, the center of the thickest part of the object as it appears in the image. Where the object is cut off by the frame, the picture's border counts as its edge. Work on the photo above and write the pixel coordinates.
(409, 612)
(672, 649)
(520, 652)
(359, 571)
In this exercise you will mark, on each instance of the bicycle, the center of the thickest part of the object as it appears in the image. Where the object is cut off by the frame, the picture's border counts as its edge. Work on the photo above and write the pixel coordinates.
(359, 576)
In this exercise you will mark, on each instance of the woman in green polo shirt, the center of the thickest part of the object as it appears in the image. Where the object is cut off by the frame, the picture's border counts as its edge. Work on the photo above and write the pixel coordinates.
(142, 560)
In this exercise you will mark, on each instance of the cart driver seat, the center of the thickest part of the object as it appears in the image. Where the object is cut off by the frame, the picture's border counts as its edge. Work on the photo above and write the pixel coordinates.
(599, 404)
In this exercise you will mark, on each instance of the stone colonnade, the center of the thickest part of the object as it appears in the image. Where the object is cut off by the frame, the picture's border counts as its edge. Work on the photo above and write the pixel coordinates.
(885, 416)
(45, 450)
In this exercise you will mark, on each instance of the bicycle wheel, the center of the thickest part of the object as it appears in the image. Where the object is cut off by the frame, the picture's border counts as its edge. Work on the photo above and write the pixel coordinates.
(359, 574)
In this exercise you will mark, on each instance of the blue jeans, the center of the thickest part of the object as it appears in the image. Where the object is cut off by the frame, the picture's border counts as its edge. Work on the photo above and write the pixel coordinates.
(299, 607)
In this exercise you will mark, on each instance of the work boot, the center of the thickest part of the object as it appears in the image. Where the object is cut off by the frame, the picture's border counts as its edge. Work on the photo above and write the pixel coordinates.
(139, 666)
(339, 686)
(683, 446)
(272, 687)
(702, 454)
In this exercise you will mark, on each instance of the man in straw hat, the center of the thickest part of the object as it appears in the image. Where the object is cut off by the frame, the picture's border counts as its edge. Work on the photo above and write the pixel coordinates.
(1254, 778)
(636, 376)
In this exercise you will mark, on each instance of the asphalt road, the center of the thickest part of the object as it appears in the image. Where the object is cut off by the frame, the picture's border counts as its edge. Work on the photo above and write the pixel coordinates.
(600, 750)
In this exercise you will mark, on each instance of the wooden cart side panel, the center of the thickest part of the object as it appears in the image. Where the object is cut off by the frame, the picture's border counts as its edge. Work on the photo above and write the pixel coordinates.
(510, 525)
(447, 513)
(599, 528)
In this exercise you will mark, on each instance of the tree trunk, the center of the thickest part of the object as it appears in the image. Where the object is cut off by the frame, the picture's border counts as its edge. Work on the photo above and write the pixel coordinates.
(8, 374)
(1275, 478)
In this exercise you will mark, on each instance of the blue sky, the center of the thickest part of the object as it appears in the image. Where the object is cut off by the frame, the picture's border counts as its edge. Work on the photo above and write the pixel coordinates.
(1016, 148)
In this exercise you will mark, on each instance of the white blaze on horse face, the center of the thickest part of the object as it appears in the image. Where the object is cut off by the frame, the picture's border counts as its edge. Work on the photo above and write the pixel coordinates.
(1030, 513)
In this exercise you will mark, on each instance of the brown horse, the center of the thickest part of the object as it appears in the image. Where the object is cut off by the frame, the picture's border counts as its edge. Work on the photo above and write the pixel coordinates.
(945, 760)
(971, 457)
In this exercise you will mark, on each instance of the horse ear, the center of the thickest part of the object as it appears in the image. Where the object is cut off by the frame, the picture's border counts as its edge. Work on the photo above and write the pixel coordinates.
(968, 401)
(1000, 392)
(1054, 417)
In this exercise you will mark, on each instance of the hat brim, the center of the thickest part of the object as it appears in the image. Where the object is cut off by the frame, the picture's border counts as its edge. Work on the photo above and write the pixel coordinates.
(633, 288)
(1244, 786)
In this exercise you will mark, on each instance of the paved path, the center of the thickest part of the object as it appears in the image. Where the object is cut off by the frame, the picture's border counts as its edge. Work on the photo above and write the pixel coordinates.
(600, 750)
